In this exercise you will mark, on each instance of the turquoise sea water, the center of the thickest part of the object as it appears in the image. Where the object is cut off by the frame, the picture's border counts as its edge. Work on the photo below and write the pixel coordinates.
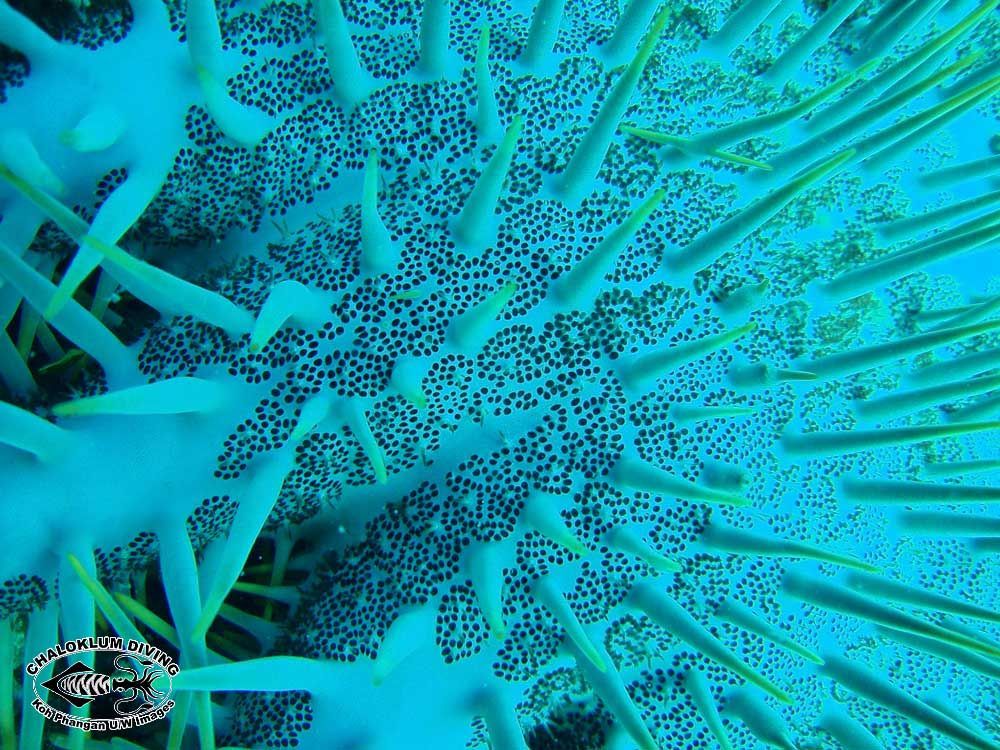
(450, 374)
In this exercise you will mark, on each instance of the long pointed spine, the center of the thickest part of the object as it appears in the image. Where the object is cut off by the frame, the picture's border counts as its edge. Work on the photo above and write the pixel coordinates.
(626, 540)
(105, 602)
(762, 721)
(610, 688)
(863, 358)
(117, 214)
(545, 592)
(378, 253)
(975, 662)
(692, 413)
(287, 301)
(701, 147)
(875, 688)
(639, 373)
(814, 444)
(969, 170)
(917, 597)
(707, 248)
(972, 363)
(857, 99)
(821, 592)
(920, 128)
(911, 225)
(850, 734)
(487, 116)
(181, 395)
(586, 161)
(701, 695)
(407, 378)
(673, 618)
(18, 32)
(908, 402)
(983, 408)
(879, 272)
(738, 27)
(43, 628)
(973, 314)
(351, 82)
(835, 135)
(885, 38)
(541, 513)
(501, 721)
(815, 36)
(470, 329)
(742, 616)
(313, 411)
(486, 573)
(543, 32)
(581, 283)
(154, 286)
(28, 432)
(635, 18)
(265, 673)
(14, 371)
(743, 129)
(474, 224)
(638, 475)
(357, 422)
(960, 468)
(255, 506)
(731, 539)
(435, 27)
(890, 491)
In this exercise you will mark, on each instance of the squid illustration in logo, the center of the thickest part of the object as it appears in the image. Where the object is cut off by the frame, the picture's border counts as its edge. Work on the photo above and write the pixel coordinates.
(80, 684)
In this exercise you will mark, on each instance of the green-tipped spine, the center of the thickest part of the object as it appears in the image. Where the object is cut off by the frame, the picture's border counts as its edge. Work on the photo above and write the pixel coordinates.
(435, 28)
(474, 225)
(543, 32)
(546, 593)
(29, 432)
(763, 722)
(738, 614)
(582, 282)
(643, 370)
(701, 695)
(821, 592)
(487, 115)
(909, 401)
(901, 491)
(351, 82)
(731, 539)
(586, 161)
(673, 618)
(886, 588)
(816, 444)
(182, 395)
(707, 248)
(635, 474)
(357, 422)
(635, 18)
(868, 684)
(470, 329)
(287, 301)
(789, 61)
(378, 252)
(863, 358)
